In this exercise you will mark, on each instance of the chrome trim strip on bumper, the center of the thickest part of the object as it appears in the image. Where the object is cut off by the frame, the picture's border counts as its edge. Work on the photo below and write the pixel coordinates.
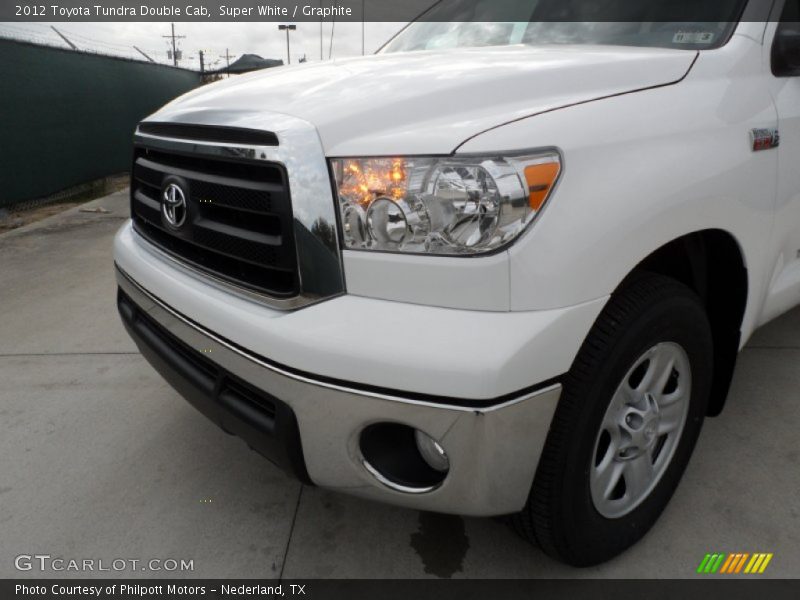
(319, 259)
(493, 451)
(468, 406)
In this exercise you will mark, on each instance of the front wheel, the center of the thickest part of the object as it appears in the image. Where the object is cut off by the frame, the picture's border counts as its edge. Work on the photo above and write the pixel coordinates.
(630, 413)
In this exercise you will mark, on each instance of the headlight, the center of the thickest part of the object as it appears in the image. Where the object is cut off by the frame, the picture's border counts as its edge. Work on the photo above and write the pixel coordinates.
(441, 205)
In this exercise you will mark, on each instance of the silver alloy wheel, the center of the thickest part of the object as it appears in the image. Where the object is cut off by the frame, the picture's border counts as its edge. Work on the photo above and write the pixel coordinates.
(640, 430)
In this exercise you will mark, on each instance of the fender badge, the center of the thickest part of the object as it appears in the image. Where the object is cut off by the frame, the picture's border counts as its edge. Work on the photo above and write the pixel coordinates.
(765, 139)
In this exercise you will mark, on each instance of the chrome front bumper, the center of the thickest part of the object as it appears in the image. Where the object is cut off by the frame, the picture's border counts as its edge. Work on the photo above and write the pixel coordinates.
(493, 451)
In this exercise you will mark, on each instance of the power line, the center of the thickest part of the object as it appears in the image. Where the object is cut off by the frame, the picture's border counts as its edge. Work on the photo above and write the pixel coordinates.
(96, 41)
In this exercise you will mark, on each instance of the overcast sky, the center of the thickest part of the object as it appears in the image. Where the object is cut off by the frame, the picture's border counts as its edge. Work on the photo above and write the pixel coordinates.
(240, 38)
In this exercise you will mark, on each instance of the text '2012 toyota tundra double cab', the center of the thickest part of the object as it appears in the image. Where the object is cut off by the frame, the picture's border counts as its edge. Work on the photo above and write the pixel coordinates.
(496, 268)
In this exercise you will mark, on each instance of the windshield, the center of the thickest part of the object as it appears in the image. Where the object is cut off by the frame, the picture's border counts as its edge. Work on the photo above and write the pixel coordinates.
(681, 24)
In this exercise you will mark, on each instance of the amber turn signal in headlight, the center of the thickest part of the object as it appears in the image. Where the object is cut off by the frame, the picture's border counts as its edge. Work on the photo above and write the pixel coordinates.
(540, 179)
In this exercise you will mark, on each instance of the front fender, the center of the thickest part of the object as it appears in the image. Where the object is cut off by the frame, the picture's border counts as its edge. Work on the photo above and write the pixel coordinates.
(641, 170)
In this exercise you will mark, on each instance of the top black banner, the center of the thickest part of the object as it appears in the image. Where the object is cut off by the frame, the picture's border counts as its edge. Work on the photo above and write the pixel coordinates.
(695, 11)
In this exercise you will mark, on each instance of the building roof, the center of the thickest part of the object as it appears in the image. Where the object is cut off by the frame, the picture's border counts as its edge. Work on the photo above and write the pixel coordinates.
(249, 62)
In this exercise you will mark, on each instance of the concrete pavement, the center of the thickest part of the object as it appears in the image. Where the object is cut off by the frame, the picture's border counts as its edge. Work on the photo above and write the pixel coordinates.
(102, 460)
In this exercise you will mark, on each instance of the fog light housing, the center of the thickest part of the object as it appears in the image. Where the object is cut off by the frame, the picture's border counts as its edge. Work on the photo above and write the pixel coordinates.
(403, 458)
(432, 452)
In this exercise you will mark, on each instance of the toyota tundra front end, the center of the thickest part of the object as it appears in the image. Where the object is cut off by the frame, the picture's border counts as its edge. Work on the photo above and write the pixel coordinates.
(497, 268)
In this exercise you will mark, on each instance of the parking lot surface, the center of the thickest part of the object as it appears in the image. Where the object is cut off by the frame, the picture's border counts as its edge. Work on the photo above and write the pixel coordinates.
(103, 460)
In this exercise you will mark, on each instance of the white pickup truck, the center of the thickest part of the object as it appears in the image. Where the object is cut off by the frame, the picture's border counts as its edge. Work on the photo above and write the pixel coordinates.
(496, 268)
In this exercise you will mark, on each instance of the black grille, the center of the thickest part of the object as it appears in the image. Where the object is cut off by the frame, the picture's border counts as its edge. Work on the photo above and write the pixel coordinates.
(238, 222)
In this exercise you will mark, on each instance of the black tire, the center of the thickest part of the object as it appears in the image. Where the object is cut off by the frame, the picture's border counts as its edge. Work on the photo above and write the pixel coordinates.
(560, 515)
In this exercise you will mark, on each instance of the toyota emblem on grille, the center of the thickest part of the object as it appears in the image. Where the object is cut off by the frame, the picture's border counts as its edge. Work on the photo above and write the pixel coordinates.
(173, 205)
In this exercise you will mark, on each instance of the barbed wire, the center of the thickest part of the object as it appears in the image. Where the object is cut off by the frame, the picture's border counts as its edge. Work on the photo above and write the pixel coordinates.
(44, 38)
(45, 32)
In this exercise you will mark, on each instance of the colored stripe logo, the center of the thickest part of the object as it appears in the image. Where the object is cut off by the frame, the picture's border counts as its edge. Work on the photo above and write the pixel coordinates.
(735, 563)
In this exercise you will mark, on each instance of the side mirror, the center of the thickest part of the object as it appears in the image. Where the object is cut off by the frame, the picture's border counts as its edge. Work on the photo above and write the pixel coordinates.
(786, 50)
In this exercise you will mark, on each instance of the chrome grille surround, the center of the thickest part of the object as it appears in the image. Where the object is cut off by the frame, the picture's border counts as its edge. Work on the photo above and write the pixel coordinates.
(300, 153)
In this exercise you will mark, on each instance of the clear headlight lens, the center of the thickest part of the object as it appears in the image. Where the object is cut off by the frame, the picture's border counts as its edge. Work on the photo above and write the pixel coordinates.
(441, 205)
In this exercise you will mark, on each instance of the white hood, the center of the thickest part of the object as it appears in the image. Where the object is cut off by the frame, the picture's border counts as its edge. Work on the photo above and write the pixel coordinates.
(431, 102)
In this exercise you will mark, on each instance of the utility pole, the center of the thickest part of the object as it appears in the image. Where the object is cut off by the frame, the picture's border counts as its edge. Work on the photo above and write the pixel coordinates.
(227, 56)
(202, 62)
(174, 47)
(140, 51)
(63, 37)
(333, 29)
(287, 29)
